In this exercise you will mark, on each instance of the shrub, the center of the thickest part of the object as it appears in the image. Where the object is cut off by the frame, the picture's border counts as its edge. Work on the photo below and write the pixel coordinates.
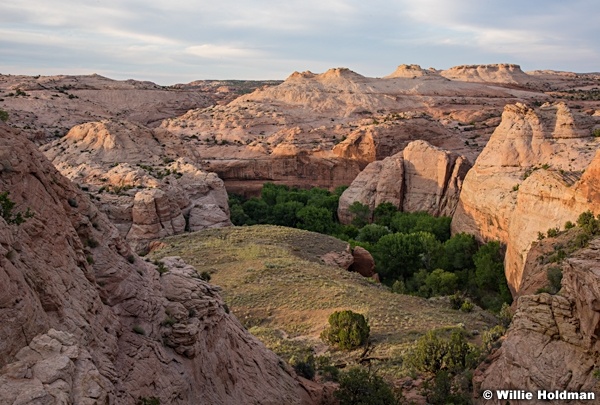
(505, 315)
(432, 353)
(554, 275)
(304, 367)
(3, 115)
(441, 282)
(160, 267)
(588, 223)
(489, 338)
(148, 401)
(466, 306)
(6, 211)
(205, 275)
(139, 330)
(553, 232)
(361, 387)
(131, 259)
(398, 287)
(347, 330)
(569, 225)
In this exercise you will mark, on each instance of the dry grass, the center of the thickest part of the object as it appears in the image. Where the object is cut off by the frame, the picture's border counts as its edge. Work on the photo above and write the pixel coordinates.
(273, 281)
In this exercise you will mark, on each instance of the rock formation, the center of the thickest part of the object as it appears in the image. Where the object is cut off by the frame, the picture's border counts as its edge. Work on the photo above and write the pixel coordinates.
(552, 343)
(528, 179)
(339, 121)
(84, 320)
(420, 178)
(138, 180)
(505, 73)
(48, 106)
(363, 262)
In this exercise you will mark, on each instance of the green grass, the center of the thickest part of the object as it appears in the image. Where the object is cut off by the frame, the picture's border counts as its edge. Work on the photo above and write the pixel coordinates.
(274, 282)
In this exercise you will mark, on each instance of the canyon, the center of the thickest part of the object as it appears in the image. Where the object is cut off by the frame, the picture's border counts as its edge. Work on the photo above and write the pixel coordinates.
(110, 167)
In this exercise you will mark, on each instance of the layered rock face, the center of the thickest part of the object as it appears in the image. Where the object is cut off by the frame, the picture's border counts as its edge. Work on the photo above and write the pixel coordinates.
(322, 129)
(552, 343)
(506, 73)
(420, 178)
(86, 321)
(139, 181)
(529, 179)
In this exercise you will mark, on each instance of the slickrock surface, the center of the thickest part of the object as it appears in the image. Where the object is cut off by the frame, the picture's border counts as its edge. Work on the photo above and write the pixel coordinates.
(420, 178)
(48, 106)
(322, 129)
(138, 180)
(84, 320)
(552, 343)
(529, 179)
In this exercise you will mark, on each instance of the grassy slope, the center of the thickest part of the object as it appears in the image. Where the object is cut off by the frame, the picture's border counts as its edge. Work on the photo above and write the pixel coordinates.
(273, 281)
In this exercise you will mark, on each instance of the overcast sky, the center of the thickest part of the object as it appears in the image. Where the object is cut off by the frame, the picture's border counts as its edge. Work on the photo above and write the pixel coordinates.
(176, 41)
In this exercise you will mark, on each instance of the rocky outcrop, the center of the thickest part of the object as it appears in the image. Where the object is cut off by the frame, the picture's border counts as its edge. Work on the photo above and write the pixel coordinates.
(412, 72)
(363, 262)
(506, 73)
(528, 179)
(138, 180)
(85, 320)
(420, 178)
(552, 343)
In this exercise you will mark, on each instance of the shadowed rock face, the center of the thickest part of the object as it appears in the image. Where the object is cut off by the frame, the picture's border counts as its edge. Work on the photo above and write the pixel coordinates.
(552, 343)
(84, 319)
(139, 181)
(529, 179)
(420, 178)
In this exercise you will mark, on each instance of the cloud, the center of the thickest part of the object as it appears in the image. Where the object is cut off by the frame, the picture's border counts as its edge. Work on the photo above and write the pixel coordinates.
(192, 39)
(211, 51)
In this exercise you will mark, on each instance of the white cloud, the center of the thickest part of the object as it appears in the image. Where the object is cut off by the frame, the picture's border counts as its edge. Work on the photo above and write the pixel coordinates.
(211, 51)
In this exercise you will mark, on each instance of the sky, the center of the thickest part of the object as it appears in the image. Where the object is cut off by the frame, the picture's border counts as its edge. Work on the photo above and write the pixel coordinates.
(178, 41)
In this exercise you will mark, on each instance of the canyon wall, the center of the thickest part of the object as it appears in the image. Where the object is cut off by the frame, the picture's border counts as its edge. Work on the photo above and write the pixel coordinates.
(84, 320)
(535, 173)
(420, 178)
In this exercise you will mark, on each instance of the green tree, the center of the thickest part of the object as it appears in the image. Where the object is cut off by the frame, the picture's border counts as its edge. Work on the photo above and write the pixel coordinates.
(372, 233)
(459, 251)
(257, 210)
(441, 282)
(6, 211)
(384, 213)
(398, 255)
(347, 330)
(315, 219)
(361, 387)
(361, 214)
(285, 214)
(490, 280)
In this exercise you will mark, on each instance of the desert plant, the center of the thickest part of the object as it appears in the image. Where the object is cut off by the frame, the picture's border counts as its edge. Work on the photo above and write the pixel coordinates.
(138, 329)
(553, 232)
(6, 211)
(554, 275)
(466, 306)
(347, 330)
(148, 401)
(205, 275)
(361, 387)
(489, 338)
(3, 115)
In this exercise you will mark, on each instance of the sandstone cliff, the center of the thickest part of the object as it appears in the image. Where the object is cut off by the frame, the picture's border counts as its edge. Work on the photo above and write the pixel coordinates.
(505, 73)
(552, 343)
(420, 178)
(84, 320)
(339, 121)
(138, 180)
(529, 179)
